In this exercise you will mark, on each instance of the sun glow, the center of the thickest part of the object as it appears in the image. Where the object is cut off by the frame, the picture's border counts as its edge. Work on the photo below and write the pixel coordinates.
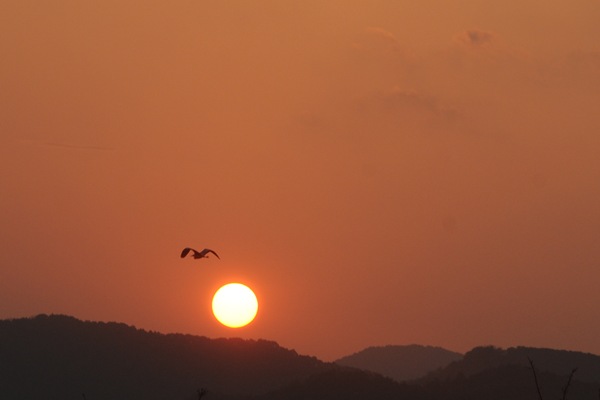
(235, 305)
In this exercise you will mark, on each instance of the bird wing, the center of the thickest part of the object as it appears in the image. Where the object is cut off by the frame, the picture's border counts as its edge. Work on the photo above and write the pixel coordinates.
(206, 251)
(185, 252)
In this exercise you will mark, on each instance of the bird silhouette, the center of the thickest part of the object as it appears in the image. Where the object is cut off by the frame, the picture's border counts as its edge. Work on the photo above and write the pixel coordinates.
(198, 254)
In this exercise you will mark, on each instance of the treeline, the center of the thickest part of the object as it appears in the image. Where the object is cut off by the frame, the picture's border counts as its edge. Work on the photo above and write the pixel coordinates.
(60, 357)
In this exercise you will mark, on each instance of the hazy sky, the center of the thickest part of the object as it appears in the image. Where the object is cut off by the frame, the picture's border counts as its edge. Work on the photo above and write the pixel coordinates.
(379, 172)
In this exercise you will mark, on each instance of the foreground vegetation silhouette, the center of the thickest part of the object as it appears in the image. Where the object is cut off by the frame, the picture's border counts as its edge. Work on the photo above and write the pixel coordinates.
(60, 357)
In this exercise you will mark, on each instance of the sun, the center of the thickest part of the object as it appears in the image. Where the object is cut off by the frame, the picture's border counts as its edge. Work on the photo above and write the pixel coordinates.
(234, 305)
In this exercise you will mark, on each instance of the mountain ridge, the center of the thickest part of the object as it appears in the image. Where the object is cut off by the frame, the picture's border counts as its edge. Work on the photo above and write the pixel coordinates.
(107, 357)
(400, 362)
(559, 362)
(61, 357)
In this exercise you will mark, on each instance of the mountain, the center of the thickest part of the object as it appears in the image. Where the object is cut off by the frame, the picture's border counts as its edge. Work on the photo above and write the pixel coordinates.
(558, 362)
(56, 356)
(60, 357)
(401, 363)
(347, 384)
(493, 373)
(512, 382)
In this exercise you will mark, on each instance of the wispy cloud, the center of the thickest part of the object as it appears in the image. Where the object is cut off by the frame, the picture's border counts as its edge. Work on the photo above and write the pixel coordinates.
(475, 37)
(383, 35)
(379, 39)
(409, 104)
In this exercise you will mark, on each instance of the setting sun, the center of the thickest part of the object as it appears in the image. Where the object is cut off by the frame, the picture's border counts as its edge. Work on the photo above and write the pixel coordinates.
(234, 305)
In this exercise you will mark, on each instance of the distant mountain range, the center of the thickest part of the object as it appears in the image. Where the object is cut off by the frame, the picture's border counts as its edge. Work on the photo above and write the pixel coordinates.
(401, 363)
(558, 362)
(60, 357)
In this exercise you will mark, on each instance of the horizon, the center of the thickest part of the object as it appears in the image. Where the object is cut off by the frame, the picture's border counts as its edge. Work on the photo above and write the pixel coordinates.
(351, 353)
(377, 172)
(69, 358)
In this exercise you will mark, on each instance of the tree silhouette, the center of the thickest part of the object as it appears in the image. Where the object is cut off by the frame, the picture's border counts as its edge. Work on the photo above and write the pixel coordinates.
(565, 389)
(568, 383)
(201, 393)
(537, 385)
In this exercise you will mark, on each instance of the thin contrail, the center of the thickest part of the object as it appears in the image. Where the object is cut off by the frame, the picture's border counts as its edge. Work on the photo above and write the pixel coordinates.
(78, 146)
(67, 145)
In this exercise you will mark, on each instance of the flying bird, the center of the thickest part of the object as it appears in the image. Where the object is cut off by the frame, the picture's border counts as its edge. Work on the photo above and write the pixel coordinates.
(198, 254)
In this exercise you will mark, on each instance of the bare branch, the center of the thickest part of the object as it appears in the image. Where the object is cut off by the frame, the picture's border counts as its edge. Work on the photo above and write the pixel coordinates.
(535, 378)
(568, 383)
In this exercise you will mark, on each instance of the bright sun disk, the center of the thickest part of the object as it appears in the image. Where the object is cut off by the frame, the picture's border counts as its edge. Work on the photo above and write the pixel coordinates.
(234, 305)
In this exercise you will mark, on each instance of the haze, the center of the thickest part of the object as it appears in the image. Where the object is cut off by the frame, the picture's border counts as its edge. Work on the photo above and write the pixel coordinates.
(379, 172)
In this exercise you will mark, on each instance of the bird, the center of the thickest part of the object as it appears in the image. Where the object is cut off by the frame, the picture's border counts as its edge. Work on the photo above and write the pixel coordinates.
(198, 254)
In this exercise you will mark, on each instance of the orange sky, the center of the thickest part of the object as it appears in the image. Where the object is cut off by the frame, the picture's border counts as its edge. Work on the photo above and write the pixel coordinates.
(379, 172)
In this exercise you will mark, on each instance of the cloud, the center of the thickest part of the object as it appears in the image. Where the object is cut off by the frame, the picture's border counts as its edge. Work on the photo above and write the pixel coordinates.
(378, 39)
(418, 105)
(475, 37)
(383, 35)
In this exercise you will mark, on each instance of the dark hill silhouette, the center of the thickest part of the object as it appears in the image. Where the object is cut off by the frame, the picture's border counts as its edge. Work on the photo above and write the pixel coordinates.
(512, 382)
(558, 362)
(52, 357)
(401, 363)
(346, 383)
(60, 357)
